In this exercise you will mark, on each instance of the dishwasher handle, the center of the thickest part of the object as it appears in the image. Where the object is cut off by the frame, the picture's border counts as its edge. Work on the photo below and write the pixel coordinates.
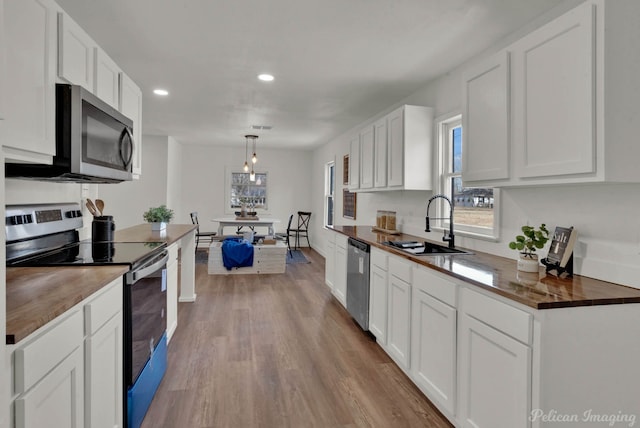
(362, 246)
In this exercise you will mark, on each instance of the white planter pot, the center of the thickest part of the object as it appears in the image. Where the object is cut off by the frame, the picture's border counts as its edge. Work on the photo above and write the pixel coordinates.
(528, 263)
(157, 226)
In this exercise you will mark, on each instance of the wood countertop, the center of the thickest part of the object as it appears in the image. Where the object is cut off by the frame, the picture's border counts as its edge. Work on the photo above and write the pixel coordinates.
(499, 275)
(143, 233)
(37, 295)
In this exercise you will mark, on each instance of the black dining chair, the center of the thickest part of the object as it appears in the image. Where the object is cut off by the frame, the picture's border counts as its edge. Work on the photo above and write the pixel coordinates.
(285, 236)
(201, 235)
(302, 230)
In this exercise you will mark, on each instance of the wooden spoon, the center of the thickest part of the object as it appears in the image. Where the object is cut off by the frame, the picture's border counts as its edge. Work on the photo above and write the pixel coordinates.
(100, 206)
(92, 208)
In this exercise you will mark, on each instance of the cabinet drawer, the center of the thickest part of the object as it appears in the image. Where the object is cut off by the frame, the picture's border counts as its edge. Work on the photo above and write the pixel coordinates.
(400, 268)
(101, 308)
(435, 285)
(379, 258)
(501, 316)
(39, 355)
(341, 241)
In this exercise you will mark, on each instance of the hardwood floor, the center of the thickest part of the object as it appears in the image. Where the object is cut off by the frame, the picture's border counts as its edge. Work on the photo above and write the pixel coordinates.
(280, 351)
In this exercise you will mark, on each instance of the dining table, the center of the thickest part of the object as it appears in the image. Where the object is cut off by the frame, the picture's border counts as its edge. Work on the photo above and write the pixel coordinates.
(249, 222)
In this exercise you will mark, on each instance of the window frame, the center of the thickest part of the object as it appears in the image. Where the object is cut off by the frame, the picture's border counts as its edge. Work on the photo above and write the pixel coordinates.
(444, 124)
(229, 170)
(329, 192)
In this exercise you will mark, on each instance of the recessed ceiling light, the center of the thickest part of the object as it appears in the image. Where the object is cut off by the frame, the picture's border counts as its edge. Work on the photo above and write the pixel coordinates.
(265, 77)
(161, 92)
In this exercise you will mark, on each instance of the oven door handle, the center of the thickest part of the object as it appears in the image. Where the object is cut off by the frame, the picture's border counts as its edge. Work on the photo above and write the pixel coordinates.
(151, 267)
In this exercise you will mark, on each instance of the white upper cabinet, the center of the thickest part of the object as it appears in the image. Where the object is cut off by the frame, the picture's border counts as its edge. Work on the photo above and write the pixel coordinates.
(131, 106)
(366, 157)
(106, 79)
(76, 52)
(485, 97)
(554, 97)
(573, 90)
(405, 164)
(354, 163)
(28, 129)
(380, 153)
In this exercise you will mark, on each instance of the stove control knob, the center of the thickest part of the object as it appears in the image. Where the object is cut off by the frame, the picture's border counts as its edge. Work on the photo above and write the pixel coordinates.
(28, 218)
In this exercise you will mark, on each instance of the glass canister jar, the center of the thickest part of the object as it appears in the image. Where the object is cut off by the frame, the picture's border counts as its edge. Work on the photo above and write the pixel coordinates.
(391, 220)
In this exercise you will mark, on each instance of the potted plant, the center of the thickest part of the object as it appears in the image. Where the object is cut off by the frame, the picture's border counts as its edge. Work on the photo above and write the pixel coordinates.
(158, 217)
(531, 240)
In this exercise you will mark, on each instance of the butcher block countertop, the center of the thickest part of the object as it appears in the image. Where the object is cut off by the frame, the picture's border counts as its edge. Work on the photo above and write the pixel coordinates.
(143, 233)
(499, 275)
(37, 295)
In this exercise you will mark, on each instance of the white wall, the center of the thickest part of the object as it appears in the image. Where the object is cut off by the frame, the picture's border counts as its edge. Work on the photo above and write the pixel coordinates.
(127, 201)
(605, 215)
(203, 182)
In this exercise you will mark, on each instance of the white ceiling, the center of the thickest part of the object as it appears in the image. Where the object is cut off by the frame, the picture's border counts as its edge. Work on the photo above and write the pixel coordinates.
(336, 62)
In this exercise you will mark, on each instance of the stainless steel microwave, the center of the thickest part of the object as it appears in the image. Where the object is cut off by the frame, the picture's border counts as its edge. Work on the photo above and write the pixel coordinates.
(94, 142)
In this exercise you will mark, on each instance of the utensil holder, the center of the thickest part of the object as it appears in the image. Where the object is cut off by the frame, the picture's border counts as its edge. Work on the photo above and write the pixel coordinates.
(102, 228)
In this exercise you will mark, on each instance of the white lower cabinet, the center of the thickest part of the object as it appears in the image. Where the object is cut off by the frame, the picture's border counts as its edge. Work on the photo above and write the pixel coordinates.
(433, 340)
(378, 296)
(330, 260)
(56, 400)
(69, 373)
(399, 312)
(494, 380)
(340, 279)
(172, 290)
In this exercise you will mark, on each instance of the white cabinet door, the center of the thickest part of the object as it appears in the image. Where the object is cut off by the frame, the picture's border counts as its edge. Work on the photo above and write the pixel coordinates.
(494, 378)
(378, 301)
(172, 291)
(399, 312)
(28, 131)
(554, 97)
(3, 70)
(433, 347)
(395, 143)
(75, 53)
(103, 368)
(354, 163)
(485, 120)
(330, 265)
(380, 153)
(340, 280)
(57, 399)
(106, 80)
(366, 157)
(131, 106)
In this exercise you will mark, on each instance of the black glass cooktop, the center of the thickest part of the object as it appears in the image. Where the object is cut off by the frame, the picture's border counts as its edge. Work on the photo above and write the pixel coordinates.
(93, 253)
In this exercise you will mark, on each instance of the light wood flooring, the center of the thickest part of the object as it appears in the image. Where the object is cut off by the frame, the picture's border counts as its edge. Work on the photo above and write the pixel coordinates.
(280, 351)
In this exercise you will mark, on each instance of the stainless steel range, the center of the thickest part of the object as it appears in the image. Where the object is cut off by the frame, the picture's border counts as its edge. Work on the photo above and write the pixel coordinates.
(47, 235)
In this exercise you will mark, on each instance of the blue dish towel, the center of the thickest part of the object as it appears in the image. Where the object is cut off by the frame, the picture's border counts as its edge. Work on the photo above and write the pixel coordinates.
(236, 253)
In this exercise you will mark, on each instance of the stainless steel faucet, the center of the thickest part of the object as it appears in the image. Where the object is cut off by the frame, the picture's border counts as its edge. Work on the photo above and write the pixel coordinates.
(451, 237)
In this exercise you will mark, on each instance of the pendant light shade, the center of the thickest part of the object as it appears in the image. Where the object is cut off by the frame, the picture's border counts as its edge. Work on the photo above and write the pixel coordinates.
(254, 157)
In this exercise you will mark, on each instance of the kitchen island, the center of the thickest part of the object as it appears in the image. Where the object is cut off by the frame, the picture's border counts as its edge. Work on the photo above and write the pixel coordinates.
(493, 347)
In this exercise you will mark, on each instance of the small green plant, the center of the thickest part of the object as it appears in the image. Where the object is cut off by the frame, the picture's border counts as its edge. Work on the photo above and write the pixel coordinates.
(530, 240)
(160, 214)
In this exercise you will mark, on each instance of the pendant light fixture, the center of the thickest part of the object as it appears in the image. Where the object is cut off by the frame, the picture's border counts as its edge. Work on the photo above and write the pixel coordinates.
(246, 153)
(254, 158)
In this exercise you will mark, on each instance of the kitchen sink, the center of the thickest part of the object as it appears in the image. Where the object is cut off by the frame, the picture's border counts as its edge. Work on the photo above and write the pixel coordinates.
(424, 248)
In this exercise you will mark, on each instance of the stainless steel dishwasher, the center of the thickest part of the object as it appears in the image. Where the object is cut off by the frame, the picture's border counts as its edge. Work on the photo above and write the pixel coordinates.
(358, 282)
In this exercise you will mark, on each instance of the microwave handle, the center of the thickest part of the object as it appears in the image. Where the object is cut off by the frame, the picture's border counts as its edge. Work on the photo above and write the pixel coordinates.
(126, 132)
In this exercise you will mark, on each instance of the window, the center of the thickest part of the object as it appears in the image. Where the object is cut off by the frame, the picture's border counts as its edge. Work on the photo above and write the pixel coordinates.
(329, 192)
(475, 209)
(244, 191)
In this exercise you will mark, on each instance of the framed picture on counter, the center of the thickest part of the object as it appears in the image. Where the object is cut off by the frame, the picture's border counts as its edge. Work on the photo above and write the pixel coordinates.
(348, 204)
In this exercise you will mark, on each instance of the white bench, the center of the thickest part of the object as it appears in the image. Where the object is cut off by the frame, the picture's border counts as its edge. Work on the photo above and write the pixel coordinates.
(266, 259)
